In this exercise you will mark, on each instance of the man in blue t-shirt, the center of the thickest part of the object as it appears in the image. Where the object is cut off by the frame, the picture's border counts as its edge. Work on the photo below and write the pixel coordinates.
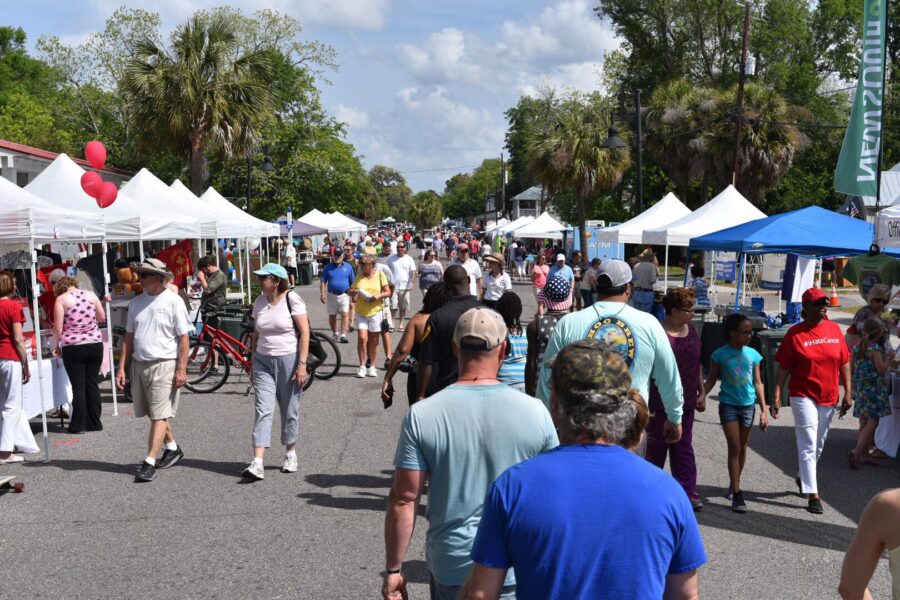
(335, 279)
(460, 439)
(590, 519)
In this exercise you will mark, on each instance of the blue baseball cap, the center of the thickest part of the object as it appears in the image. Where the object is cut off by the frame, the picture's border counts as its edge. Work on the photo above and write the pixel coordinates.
(272, 269)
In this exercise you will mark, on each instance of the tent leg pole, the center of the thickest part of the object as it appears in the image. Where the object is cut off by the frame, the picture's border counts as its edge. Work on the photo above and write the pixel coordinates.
(37, 346)
(249, 281)
(240, 260)
(112, 375)
(666, 284)
(739, 283)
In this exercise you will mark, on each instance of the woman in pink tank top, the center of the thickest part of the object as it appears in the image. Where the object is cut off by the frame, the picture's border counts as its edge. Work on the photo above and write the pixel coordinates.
(76, 317)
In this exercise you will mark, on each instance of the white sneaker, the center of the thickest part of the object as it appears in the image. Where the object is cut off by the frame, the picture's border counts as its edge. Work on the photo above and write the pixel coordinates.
(334, 336)
(289, 465)
(255, 471)
(373, 372)
(361, 372)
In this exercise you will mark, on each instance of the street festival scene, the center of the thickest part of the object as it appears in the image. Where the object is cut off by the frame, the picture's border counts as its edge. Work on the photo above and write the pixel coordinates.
(571, 299)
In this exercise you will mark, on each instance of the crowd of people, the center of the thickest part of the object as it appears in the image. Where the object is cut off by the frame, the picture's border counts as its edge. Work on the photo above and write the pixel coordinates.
(523, 433)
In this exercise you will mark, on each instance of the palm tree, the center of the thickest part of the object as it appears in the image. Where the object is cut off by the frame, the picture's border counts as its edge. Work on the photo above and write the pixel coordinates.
(768, 142)
(674, 117)
(202, 90)
(566, 155)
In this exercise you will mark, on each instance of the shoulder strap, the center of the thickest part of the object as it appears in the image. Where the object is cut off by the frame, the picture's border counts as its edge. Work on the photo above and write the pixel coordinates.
(290, 308)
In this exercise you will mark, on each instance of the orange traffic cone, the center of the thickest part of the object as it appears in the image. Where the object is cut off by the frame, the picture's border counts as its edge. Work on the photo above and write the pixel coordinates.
(833, 301)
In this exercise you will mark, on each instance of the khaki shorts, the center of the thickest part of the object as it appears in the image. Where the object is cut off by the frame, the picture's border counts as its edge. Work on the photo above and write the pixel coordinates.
(402, 296)
(151, 389)
(337, 303)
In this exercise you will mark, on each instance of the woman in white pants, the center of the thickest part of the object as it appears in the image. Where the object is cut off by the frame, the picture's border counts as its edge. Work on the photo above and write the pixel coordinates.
(815, 356)
(13, 369)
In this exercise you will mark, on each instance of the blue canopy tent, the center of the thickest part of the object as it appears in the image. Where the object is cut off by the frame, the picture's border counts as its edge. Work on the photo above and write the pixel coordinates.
(813, 232)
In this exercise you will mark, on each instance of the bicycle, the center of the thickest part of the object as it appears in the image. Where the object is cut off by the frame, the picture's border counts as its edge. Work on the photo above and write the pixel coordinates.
(214, 345)
(330, 363)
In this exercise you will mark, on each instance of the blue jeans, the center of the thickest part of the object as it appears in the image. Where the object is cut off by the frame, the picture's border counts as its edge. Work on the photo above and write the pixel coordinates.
(642, 299)
(439, 591)
(729, 413)
(587, 298)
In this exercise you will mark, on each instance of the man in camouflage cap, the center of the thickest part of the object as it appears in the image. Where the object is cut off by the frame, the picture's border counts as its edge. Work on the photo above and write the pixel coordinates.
(541, 516)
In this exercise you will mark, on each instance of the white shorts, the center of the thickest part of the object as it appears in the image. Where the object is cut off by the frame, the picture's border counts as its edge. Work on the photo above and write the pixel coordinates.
(372, 324)
(338, 303)
(422, 253)
(401, 299)
(391, 303)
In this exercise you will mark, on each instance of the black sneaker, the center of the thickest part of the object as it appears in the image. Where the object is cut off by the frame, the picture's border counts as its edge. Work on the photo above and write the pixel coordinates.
(737, 503)
(729, 494)
(146, 472)
(799, 485)
(169, 458)
(696, 502)
(815, 506)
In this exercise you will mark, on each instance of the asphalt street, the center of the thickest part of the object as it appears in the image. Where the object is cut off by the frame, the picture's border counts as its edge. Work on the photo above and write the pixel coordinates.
(84, 529)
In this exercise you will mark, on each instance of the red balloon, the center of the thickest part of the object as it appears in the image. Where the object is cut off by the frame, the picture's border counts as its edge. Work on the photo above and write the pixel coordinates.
(108, 194)
(90, 183)
(95, 153)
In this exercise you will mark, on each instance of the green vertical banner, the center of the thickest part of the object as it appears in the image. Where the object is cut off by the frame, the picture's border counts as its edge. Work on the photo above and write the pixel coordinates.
(857, 168)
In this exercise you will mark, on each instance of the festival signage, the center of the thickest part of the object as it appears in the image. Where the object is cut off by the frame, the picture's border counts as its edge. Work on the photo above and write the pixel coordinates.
(858, 165)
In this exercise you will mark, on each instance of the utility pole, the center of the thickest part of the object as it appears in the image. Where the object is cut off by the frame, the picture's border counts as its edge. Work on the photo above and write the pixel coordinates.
(484, 177)
(739, 118)
(500, 209)
(249, 180)
(639, 143)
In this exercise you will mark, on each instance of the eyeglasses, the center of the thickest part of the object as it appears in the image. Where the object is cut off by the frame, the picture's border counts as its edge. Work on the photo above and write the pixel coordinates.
(879, 300)
(685, 310)
(747, 332)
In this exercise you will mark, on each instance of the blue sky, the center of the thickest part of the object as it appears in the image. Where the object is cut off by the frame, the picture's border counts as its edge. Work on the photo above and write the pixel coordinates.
(421, 85)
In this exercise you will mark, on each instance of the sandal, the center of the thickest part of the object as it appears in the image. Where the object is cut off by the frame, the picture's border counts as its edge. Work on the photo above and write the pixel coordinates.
(876, 453)
(852, 461)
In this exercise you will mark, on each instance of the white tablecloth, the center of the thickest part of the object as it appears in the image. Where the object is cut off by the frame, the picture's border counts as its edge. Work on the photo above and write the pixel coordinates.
(57, 389)
(887, 436)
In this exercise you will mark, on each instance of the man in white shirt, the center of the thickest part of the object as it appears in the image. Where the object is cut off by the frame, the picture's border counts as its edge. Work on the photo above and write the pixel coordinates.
(471, 266)
(290, 262)
(403, 268)
(156, 337)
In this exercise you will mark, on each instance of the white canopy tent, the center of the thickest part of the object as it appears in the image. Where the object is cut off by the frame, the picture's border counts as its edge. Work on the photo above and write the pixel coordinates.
(666, 211)
(510, 227)
(544, 226)
(726, 210)
(156, 198)
(490, 230)
(26, 218)
(887, 227)
(351, 225)
(60, 185)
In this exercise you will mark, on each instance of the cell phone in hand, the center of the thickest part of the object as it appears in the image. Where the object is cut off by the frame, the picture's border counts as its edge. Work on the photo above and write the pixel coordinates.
(388, 397)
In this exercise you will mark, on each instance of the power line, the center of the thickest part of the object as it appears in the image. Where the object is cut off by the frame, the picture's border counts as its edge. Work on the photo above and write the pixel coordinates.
(467, 167)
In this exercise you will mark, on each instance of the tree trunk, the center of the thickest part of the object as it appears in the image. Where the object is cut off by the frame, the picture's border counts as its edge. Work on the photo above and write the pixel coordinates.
(582, 230)
(199, 170)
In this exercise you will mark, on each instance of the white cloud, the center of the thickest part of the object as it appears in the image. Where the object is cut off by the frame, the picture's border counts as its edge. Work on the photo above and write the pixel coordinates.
(564, 44)
(354, 118)
(369, 15)
(444, 57)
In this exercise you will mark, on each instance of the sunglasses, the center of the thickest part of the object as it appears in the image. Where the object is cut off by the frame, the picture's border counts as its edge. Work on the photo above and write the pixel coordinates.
(685, 310)
(879, 300)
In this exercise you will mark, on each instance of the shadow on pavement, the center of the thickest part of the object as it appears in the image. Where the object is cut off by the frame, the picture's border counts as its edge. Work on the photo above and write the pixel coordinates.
(789, 529)
(327, 480)
(219, 468)
(361, 501)
(841, 489)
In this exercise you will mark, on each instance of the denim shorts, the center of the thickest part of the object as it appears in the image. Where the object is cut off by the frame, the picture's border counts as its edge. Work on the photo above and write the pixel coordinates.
(729, 413)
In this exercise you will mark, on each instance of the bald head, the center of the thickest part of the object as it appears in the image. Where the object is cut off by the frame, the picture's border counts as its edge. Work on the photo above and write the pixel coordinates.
(457, 280)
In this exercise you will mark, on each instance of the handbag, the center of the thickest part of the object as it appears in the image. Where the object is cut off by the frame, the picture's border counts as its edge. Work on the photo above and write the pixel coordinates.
(408, 365)
(316, 354)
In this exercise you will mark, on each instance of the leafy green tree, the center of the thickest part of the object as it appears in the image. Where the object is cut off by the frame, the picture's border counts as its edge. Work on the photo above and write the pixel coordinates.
(425, 209)
(390, 186)
(567, 156)
(465, 194)
(200, 91)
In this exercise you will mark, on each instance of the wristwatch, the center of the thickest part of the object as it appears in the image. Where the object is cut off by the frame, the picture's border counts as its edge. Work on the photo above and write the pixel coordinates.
(302, 362)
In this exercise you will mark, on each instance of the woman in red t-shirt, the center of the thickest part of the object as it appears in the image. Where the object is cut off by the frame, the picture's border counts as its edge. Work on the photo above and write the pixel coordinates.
(815, 356)
(13, 368)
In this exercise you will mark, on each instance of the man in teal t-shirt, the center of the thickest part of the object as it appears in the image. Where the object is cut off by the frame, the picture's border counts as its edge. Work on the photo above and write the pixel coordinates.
(636, 335)
(462, 438)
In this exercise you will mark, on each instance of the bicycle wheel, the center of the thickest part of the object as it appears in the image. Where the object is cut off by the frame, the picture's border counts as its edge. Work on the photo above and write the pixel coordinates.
(329, 367)
(309, 380)
(210, 379)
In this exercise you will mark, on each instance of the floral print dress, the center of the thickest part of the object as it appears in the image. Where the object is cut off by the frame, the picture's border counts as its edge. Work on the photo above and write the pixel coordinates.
(870, 390)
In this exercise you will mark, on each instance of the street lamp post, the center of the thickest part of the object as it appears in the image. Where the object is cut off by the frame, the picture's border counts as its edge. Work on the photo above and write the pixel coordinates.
(613, 141)
(267, 167)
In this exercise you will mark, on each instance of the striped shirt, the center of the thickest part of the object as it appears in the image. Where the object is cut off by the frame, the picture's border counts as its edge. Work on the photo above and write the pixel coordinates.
(512, 371)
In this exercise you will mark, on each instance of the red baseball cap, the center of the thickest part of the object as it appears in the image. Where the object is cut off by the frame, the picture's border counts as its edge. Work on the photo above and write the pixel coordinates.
(814, 294)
